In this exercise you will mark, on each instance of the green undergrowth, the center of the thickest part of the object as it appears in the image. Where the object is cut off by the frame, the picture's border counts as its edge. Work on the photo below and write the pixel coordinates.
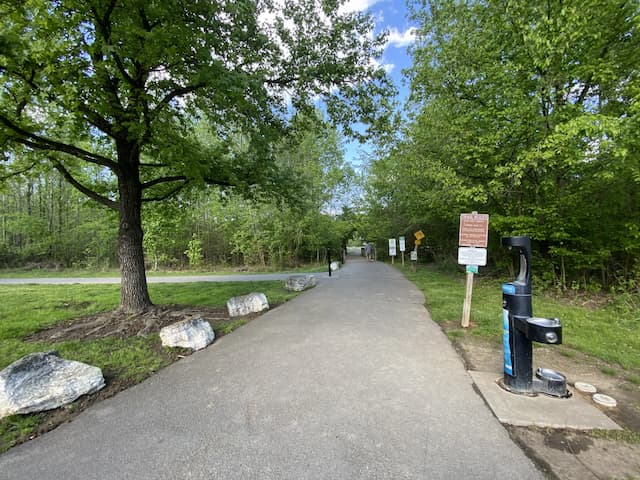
(608, 332)
(27, 309)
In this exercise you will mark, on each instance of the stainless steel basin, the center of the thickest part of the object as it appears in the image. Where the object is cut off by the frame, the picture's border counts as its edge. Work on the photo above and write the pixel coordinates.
(544, 322)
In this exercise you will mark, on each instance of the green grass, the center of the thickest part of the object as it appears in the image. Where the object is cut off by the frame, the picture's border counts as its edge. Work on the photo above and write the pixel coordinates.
(26, 309)
(635, 379)
(625, 436)
(608, 333)
(114, 272)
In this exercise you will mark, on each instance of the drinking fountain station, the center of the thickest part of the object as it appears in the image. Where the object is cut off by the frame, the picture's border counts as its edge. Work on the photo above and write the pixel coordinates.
(521, 328)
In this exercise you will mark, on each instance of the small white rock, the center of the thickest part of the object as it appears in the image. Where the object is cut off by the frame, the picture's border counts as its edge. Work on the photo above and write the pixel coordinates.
(194, 333)
(246, 304)
(298, 283)
(44, 381)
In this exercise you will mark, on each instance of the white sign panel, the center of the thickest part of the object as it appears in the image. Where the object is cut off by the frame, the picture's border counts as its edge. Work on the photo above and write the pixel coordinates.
(402, 249)
(414, 255)
(392, 247)
(472, 256)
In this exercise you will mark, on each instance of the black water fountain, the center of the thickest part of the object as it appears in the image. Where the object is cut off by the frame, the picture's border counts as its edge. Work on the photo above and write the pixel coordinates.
(521, 328)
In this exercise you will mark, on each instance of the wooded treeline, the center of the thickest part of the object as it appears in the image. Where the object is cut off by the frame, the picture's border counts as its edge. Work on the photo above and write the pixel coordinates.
(527, 111)
(46, 223)
(530, 112)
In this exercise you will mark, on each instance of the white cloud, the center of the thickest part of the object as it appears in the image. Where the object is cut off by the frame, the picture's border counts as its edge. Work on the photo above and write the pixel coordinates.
(356, 6)
(401, 39)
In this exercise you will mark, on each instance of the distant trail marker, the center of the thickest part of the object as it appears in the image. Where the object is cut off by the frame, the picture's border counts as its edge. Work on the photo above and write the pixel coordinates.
(473, 237)
(402, 248)
(392, 249)
(414, 254)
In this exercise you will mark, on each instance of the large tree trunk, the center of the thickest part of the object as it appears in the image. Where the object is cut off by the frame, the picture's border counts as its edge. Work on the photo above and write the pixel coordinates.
(134, 294)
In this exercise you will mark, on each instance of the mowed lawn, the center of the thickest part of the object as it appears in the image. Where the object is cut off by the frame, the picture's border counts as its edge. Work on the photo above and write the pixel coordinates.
(610, 333)
(27, 309)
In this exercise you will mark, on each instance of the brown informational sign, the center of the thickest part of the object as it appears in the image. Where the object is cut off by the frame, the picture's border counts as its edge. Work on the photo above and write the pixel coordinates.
(474, 230)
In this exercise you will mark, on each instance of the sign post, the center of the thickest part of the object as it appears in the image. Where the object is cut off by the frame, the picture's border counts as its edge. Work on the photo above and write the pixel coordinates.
(472, 252)
(414, 254)
(402, 248)
(414, 259)
(392, 249)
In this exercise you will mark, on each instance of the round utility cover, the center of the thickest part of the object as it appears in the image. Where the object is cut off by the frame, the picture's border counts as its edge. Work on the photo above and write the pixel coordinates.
(605, 400)
(585, 387)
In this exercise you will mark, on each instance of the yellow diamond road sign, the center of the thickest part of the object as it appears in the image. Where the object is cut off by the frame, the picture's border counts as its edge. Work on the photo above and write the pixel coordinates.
(419, 235)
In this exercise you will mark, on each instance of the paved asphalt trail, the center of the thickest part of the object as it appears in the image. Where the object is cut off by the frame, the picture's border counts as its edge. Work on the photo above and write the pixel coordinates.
(351, 380)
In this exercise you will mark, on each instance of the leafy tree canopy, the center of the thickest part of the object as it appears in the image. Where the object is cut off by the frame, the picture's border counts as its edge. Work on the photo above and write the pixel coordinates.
(121, 83)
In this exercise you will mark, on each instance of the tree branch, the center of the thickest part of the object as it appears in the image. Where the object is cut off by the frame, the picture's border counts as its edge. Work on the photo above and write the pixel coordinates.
(176, 93)
(17, 173)
(85, 190)
(105, 31)
(154, 165)
(97, 121)
(170, 193)
(158, 181)
(40, 143)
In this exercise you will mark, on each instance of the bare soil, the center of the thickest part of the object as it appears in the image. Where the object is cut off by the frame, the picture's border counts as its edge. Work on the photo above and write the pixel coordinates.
(571, 454)
(117, 324)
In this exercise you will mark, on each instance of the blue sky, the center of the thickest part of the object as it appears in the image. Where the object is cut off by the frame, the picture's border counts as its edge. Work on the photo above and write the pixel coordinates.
(390, 15)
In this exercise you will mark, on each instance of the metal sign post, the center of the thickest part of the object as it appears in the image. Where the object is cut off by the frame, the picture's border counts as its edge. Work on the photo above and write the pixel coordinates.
(392, 249)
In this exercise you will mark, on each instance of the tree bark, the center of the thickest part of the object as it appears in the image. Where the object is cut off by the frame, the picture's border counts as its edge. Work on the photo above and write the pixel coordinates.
(134, 294)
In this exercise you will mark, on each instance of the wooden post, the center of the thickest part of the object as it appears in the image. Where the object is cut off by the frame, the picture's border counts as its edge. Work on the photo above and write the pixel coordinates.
(466, 309)
(393, 257)
(402, 259)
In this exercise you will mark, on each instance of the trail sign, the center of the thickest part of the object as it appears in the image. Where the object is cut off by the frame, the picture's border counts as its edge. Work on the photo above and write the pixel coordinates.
(472, 256)
(392, 247)
(402, 246)
(472, 241)
(419, 235)
(474, 230)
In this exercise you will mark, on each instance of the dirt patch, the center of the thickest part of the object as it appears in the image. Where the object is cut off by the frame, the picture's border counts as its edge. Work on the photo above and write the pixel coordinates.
(117, 324)
(570, 454)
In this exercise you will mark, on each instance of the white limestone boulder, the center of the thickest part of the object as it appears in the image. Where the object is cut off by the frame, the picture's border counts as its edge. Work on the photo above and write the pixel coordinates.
(194, 333)
(44, 381)
(246, 304)
(298, 283)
